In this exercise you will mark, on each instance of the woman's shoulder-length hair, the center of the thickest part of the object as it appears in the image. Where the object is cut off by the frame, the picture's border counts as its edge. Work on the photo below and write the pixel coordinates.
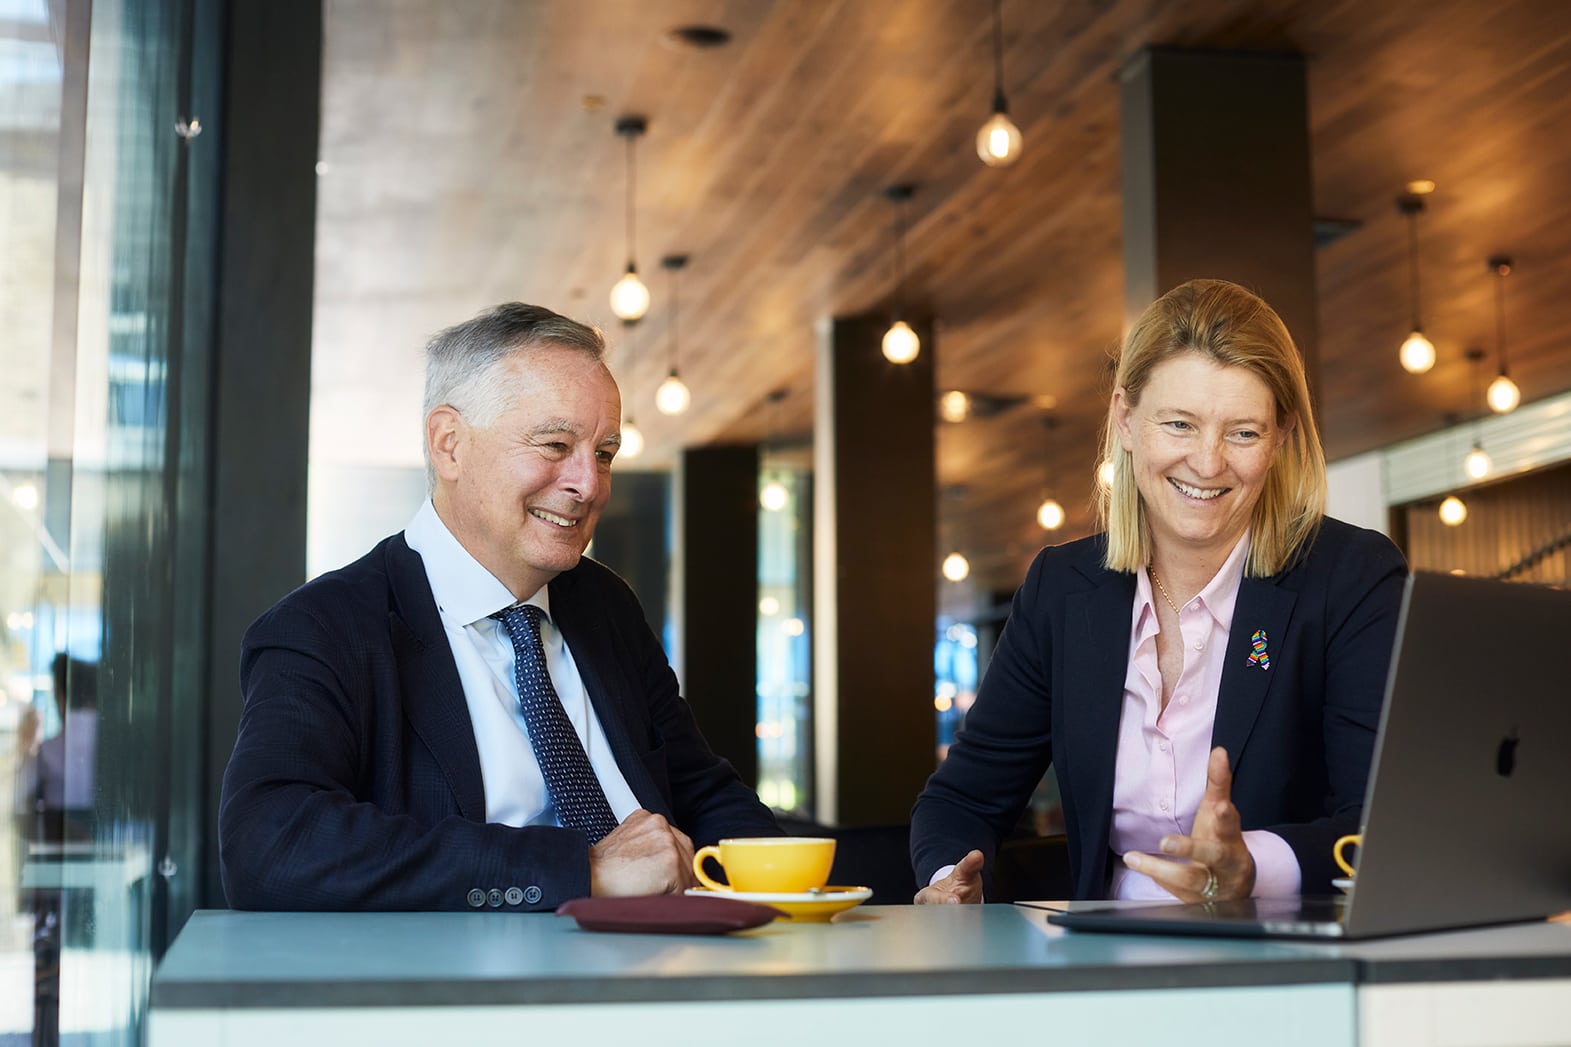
(1234, 328)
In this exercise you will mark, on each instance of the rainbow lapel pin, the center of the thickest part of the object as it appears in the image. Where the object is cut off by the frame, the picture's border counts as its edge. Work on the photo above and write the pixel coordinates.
(1257, 650)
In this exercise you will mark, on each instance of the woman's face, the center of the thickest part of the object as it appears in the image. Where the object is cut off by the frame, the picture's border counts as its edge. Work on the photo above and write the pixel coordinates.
(1202, 439)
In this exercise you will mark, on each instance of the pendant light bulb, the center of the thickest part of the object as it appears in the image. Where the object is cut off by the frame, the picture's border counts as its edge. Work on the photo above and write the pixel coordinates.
(1105, 473)
(998, 142)
(1453, 511)
(629, 296)
(1477, 463)
(774, 496)
(1050, 515)
(901, 345)
(956, 567)
(632, 440)
(1503, 395)
(673, 396)
(1417, 353)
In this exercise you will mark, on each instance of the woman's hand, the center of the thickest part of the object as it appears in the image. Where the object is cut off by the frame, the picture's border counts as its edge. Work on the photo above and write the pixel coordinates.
(963, 885)
(1213, 862)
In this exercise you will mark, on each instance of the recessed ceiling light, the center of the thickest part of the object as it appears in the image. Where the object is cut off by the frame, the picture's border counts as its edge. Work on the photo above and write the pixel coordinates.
(1421, 186)
(703, 37)
(593, 103)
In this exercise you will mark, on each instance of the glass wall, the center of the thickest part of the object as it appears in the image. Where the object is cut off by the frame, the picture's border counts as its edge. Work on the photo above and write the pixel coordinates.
(785, 655)
(97, 596)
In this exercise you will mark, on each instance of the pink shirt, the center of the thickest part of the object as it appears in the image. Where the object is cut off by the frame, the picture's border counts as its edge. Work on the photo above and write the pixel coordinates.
(1160, 773)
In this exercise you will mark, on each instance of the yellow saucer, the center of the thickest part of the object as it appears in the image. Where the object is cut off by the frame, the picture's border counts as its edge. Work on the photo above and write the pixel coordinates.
(808, 907)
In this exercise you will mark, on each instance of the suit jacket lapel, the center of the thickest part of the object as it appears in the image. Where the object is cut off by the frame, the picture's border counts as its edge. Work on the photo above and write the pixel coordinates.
(432, 693)
(1263, 607)
(588, 635)
(1096, 641)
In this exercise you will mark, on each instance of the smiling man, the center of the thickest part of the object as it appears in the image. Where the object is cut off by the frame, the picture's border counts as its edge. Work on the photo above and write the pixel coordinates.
(475, 715)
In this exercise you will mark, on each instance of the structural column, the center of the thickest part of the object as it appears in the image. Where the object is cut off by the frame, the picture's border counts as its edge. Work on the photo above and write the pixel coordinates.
(717, 598)
(875, 583)
(261, 364)
(1216, 180)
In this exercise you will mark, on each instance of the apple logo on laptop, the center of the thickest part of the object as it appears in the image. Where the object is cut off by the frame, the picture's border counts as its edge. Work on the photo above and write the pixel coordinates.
(1505, 758)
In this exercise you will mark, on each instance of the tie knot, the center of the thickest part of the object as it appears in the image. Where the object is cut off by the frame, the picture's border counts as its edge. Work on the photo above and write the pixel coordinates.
(520, 615)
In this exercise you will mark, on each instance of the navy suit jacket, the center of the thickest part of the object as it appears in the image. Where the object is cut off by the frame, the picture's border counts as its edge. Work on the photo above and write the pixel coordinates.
(1300, 735)
(355, 780)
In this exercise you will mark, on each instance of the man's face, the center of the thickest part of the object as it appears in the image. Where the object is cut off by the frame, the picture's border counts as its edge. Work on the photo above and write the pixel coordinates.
(523, 495)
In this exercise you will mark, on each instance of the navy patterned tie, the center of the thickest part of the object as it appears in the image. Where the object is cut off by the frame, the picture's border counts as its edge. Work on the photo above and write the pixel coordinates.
(580, 802)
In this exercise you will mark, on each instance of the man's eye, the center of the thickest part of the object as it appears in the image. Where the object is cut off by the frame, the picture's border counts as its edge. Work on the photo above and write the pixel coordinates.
(605, 456)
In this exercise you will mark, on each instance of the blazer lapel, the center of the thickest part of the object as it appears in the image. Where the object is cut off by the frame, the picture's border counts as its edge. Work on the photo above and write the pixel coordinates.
(588, 635)
(1264, 608)
(433, 695)
(1096, 649)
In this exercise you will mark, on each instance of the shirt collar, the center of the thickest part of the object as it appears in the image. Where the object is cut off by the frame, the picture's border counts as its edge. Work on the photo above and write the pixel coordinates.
(1219, 597)
(465, 591)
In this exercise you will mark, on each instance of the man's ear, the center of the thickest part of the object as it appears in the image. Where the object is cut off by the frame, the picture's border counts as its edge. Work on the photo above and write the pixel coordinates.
(445, 429)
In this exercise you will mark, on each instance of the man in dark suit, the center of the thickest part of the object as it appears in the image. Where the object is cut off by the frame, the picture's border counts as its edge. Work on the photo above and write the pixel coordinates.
(474, 715)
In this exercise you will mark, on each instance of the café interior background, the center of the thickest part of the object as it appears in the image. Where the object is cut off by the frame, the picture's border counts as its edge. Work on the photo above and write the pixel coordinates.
(454, 155)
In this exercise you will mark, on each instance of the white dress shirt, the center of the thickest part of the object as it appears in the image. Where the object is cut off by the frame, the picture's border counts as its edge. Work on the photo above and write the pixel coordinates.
(466, 595)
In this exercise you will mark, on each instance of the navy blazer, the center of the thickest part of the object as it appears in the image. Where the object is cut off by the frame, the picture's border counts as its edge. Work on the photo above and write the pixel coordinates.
(355, 780)
(1300, 735)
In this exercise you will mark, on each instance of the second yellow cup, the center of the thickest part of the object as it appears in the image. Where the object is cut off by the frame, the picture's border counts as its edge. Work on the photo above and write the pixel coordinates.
(769, 864)
(1357, 840)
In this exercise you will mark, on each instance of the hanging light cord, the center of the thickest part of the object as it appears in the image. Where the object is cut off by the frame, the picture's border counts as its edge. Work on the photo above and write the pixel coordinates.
(998, 57)
(1412, 262)
(632, 189)
(675, 279)
(900, 260)
(1500, 312)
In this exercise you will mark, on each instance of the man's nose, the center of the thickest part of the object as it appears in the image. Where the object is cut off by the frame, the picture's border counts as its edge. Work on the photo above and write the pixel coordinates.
(581, 476)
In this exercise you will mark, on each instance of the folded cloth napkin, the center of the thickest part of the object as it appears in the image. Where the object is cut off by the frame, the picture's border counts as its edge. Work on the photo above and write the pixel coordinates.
(667, 914)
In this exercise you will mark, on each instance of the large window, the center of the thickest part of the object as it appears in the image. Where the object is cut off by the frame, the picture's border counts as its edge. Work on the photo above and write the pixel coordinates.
(97, 281)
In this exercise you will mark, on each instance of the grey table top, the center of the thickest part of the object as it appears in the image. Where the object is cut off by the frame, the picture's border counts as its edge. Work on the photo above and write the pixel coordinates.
(239, 959)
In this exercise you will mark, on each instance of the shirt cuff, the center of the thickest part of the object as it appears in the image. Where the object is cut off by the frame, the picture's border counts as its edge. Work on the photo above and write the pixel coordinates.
(1277, 874)
(940, 874)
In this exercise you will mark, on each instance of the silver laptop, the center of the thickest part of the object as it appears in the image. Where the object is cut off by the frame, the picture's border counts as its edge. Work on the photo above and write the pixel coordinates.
(1466, 818)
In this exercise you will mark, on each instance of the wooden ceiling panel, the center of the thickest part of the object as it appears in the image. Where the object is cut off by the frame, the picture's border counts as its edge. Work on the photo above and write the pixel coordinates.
(466, 169)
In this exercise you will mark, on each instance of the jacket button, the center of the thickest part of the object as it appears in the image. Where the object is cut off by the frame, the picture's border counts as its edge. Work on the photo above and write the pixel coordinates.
(495, 897)
(514, 896)
(531, 894)
(476, 898)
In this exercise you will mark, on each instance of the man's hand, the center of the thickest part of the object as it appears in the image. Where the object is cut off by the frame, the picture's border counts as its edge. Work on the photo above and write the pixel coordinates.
(1214, 846)
(643, 855)
(963, 885)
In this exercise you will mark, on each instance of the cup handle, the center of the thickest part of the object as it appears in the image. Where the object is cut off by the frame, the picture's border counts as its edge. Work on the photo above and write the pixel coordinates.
(698, 868)
(1336, 852)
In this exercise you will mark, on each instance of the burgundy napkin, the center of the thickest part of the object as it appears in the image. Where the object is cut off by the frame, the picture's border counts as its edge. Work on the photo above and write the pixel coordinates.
(667, 914)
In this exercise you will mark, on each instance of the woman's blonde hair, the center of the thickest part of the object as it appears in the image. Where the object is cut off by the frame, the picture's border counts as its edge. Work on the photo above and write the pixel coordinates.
(1234, 328)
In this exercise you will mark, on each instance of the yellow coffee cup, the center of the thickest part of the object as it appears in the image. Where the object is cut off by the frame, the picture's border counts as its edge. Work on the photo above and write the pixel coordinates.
(769, 864)
(1357, 840)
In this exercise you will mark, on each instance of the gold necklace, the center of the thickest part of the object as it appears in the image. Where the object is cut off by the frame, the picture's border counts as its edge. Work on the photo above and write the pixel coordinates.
(1163, 590)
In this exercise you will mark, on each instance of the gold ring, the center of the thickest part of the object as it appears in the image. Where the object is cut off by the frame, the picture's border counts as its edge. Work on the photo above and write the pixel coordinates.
(1208, 892)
